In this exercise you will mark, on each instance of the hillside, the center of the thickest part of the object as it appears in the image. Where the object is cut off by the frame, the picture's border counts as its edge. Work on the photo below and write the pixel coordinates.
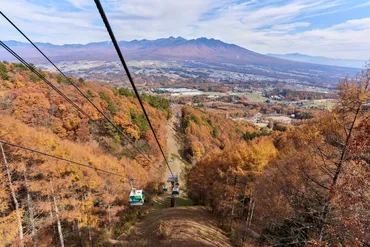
(84, 203)
(27, 98)
(297, 185)
(205, 132)
(305, 185)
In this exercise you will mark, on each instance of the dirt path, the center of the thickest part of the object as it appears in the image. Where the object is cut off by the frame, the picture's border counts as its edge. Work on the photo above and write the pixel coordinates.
(180, 227)
(173, 146)
(177, 165)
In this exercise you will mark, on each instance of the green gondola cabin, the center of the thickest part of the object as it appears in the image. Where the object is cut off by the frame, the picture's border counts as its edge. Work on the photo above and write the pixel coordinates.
(137, 197)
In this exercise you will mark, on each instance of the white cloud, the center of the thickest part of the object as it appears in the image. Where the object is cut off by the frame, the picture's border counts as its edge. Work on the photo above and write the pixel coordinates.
(79, 3)
(290, 26)
(136, 19)
(365, 4)
(346, 40)
(357, 24)
(275, 26)
(47, 23)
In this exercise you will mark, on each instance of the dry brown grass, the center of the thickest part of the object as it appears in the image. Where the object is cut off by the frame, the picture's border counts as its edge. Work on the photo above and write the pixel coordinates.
(165, 229)
(180, 227)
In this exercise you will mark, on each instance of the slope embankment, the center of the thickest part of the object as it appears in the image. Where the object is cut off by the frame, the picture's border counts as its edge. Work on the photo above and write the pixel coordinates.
(180, 227)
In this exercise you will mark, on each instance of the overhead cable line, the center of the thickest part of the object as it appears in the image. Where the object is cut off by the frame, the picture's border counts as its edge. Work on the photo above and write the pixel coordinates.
(59, 158)
(34, 70)
(77, 88)
(53, 87)
(118, 50)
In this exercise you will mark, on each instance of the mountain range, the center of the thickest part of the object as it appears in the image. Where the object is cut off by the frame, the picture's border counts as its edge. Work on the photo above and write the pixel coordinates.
(352, 63)
(200, 52)
(179, 49)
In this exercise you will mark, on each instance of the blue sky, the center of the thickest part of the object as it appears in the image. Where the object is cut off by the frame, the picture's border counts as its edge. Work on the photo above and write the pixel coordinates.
(332, 28)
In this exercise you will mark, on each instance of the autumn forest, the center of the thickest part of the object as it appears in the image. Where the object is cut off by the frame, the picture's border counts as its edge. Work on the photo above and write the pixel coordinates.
(51, 199)
(303, 184)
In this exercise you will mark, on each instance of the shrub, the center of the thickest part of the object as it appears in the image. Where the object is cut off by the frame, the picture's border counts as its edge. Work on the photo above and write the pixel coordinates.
(157, 102)
(140, 121)
(165, 229)
(111, 106)
(60, 79)
(19, 66)
(280, 127)
(90, 94)
(251, 136)
(304, 115)
(3, 72)
(34, 77)
(123, 91)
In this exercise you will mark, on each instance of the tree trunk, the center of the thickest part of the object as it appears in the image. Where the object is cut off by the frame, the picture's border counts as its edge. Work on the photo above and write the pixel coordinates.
(52, 215)
(18, 214)
(244, 199)
(31, 212)
(90, 237)
(109, 217)
(77, 222)
(172, 201)
(338, 170)
(252, 211)
(245, 211)
(59, 225)
(233, 202)
(248, 214)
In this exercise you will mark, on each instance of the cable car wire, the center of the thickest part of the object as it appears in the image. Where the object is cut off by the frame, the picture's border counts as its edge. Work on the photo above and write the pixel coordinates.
(118, 50)
(77, 88)
(67, 160)
(51, 85)
(34, 70)
(59, 158)
(57, 90)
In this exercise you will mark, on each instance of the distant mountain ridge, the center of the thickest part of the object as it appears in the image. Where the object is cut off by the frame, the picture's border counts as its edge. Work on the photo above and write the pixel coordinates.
(352, 63)
(171, 41)
(208, 54)
(180, 49)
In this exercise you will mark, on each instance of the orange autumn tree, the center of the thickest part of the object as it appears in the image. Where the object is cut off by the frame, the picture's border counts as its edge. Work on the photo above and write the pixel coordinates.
(33, 102)
(320, 176)
(225, 179)
(205, 132)
(62, 203)
(69, 192)
(313, 191)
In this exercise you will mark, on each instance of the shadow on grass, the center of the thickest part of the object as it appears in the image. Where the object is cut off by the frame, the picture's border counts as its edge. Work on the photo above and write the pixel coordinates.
(164, 202)
(161, 202)
(183, 202)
